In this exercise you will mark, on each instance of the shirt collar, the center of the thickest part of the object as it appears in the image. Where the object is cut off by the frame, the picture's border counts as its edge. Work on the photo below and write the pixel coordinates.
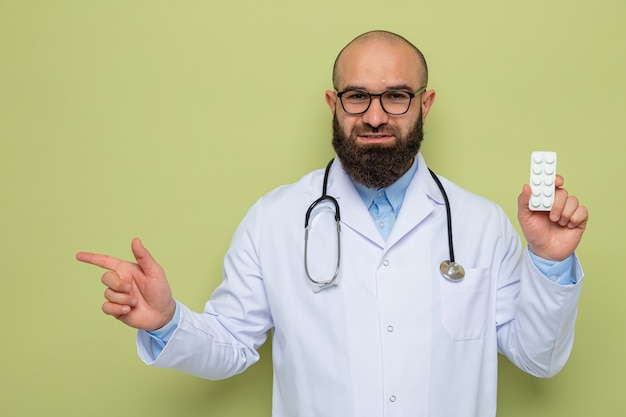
(395, 192)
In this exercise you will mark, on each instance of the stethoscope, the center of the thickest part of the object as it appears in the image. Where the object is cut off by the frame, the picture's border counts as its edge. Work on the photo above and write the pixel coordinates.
(449, 269)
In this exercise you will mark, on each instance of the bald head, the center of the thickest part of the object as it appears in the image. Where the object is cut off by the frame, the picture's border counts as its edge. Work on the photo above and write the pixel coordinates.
(379, 37)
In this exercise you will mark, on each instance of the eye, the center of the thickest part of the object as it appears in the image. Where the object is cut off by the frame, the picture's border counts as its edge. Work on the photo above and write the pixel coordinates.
(397, 96)
(356, 96)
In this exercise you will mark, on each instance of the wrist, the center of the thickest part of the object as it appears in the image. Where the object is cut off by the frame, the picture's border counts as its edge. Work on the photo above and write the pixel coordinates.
(169, 323)
(547, 256)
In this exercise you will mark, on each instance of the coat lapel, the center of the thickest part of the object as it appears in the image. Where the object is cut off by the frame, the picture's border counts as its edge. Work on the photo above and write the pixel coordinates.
(354, 214)
(421, 197)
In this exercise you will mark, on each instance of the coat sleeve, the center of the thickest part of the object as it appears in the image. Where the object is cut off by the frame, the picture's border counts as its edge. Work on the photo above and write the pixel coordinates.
(537, 331)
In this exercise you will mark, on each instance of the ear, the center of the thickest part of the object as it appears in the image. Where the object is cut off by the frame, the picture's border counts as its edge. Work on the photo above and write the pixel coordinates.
(331, 100)
(428, 99)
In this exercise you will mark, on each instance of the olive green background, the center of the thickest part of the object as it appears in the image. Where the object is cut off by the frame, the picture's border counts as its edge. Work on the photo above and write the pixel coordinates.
(167, 119)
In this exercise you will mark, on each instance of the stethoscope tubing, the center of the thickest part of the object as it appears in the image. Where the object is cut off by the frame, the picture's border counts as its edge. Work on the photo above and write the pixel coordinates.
(449, 269)
(307, 217)
(448, 213)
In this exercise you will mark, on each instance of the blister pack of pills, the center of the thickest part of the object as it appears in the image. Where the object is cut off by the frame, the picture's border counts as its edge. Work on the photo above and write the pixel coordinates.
(542, 175)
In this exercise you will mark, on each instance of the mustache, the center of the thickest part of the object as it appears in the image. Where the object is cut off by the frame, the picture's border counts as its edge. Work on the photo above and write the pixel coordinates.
(382, 129)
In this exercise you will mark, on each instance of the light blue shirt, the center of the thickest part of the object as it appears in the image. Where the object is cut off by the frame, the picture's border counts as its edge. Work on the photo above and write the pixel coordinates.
(384, 204)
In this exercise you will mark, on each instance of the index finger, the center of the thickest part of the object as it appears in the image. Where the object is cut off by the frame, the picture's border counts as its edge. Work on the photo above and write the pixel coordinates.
(103, 261)
(559, 180)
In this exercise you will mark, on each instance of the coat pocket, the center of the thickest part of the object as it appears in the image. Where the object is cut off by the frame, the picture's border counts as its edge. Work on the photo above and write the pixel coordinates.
(465, 304)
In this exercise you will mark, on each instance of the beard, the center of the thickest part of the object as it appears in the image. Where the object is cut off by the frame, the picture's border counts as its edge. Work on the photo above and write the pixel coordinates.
(377, 165)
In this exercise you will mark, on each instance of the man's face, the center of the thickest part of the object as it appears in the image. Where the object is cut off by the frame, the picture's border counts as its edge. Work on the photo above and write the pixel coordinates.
(376, 148)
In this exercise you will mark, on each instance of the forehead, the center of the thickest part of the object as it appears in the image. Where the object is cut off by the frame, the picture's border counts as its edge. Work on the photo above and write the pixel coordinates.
(377, 65)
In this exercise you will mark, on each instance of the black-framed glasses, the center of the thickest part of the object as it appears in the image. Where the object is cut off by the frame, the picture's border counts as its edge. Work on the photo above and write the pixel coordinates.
(393, 102)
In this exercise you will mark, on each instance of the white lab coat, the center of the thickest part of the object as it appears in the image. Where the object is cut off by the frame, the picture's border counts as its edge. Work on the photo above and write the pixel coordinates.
(392, 338)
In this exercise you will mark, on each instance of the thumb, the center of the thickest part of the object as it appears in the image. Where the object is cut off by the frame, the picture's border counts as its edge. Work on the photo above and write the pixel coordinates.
(144, 259)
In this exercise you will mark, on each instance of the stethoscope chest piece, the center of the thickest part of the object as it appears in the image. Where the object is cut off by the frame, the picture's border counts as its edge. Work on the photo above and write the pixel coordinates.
(452, 271)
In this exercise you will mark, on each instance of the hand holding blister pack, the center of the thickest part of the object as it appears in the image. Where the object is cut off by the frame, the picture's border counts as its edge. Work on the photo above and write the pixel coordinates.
(542, 176)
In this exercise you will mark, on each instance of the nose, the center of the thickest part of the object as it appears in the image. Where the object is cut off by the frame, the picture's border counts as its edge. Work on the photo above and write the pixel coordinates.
(375, 115)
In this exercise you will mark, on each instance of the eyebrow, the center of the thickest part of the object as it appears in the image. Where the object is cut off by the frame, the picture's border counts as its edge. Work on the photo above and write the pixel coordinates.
(401, 87)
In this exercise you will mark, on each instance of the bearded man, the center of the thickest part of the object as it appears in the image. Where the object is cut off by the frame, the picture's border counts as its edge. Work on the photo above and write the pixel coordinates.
(362, 321)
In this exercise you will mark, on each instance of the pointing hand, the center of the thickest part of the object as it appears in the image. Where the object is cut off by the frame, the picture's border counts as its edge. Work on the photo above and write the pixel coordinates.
(137, 294)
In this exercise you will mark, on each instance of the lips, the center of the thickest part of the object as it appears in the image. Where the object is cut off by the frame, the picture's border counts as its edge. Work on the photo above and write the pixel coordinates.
(375, 137)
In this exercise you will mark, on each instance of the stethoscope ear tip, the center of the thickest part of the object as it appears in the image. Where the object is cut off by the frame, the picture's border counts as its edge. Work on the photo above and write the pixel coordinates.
(452, 271)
